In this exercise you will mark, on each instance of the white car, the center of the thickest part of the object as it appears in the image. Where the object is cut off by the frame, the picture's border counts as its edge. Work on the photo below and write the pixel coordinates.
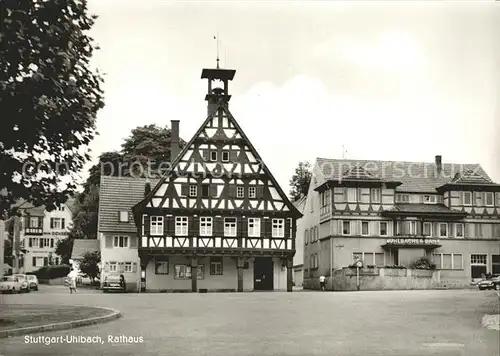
(11, 284)
(25, 284)
(33, 281)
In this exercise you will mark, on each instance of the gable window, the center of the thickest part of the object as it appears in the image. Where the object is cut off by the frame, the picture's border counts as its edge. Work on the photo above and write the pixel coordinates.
(181, 225)
(60, 208)
(156, 225)
(57, 223)
(402, 198)
(206, 226)
(251, 192)
(123, 216)
(383, 228)
(216, 266)
(225, 156)
(443, 230)
(240, 192)
(429, 199)
(253, 227)
(427, 229)
(375, 195)
(459, 230)
(364, 228)
(488, 198)
(34, 222)
(230, 227)
(193, 190)
(161, 265)
(278, 228)
(213, 156)
(466, 198)
(346, 227)
(120, 241)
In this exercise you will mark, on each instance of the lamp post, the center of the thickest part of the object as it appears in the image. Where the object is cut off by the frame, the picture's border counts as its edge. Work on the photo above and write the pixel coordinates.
(358, 264)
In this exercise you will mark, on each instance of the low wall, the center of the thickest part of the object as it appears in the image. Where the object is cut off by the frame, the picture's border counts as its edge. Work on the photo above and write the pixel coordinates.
(389, 279)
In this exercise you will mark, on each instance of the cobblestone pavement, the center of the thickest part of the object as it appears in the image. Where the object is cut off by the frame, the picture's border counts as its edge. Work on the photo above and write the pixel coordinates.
(416, 323)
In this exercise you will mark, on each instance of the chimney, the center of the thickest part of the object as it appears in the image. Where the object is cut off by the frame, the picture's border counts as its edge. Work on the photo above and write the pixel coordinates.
(439, 165)
(147, 188)
(174, 140)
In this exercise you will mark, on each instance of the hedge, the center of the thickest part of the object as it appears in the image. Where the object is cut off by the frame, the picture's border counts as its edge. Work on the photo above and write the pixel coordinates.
(51, 272)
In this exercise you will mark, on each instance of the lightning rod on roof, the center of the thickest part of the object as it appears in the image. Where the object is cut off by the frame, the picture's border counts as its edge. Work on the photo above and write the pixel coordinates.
(217, 40)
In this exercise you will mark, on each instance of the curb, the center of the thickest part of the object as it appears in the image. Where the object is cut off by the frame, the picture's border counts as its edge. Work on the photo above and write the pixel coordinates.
(114, 314)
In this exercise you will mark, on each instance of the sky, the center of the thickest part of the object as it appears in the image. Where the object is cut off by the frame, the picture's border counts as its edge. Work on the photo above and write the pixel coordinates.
(378, 80)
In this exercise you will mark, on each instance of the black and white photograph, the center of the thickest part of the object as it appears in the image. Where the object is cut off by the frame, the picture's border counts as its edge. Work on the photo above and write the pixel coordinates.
(249, 178)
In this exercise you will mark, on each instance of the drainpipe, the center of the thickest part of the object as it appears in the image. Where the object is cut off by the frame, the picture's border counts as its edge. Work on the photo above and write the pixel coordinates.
(331, 261)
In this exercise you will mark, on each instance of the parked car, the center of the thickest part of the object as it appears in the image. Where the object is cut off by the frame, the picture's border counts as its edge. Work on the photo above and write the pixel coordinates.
(492, 282)
(33, 281)
(10, 284)
(114, 283)
(25, 284)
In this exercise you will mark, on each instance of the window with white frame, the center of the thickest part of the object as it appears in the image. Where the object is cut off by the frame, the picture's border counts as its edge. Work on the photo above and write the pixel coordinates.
(225, 156)
(253, 227)
(216, 266)
(120, 241)
(57, 223)
(161, 265)
(213, 156)
(34, 222)
(113, 266)
(181, 225)
(429, 199)
(478, 197)
(230, 227)
(466, 198)
(346, 227)
(427, 229)
(383, 228)
(206, 226)
(448, 260)
(193, 190)
(365, 228)
(459, 230)
(240, 192)
(252, 192)
(128, 267)
(478, 265)
(123, 216)
(488, 198)
(375, 192)
(402, 198)
(443, 230)
(351, 195)
(278, 228)
(156, 225)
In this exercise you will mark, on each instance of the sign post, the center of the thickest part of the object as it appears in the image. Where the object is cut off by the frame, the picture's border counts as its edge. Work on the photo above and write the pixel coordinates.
(358, 264)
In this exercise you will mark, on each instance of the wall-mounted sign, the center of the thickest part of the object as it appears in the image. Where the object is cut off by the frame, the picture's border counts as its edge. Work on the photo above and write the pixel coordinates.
(57, 233)
(412, 241)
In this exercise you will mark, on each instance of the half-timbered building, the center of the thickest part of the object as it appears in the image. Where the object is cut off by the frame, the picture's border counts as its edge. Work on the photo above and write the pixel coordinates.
(391, 214)
(218, 220)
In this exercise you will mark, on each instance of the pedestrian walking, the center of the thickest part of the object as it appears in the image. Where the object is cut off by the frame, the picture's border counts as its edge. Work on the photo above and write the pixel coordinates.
(322, 282)
(72, 282)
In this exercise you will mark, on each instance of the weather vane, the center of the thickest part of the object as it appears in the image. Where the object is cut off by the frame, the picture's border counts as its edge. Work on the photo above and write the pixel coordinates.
(217, 39)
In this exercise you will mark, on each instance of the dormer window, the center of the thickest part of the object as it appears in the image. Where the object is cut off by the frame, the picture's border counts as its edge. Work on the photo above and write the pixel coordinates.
(193, 190)
(466, 198)
(429, 199)
(213, 156)
(488, 198)
(123, 216)
(402, 198)
(225, 156)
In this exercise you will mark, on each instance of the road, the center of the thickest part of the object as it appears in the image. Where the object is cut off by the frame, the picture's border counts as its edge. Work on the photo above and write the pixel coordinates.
(402, 323)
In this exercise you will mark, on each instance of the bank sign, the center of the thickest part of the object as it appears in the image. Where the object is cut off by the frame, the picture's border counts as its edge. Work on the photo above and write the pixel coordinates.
(413, 242)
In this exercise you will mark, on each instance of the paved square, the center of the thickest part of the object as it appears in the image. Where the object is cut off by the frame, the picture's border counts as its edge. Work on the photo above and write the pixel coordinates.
(398, 323)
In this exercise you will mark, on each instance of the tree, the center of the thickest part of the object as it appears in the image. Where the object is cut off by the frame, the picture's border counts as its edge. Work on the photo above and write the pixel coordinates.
(300, 181)
(64, 248)
(49, 99)
(90, 264)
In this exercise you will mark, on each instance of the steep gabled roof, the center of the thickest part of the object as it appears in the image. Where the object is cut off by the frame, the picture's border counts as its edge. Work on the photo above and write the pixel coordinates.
(300, 204)
(81, 246)
(418, 177)
(119, 194)
(230, 117)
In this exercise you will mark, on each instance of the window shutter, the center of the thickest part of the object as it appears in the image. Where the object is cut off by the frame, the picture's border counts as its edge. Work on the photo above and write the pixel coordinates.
(30, 242)
(170, 225)
(51, 242)
(287, 228)
(133, 241)
(109, 241)
(51, 223)
(62, 223)
(106, 267)
(218, 226)
(134, 267)
(147, 225)
(466, 230)
(419, 228)
(435, 228)
(268, 228)
(185, 189)
(27, 221)
(194, 225)
(260, 191)
(232, 191)
(243, 227)
(233, 155)
(205, 154)
(213, 190)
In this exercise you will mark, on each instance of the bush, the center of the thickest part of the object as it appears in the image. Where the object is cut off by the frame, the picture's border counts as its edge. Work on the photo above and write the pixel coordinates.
(423, 263)
(51, 272)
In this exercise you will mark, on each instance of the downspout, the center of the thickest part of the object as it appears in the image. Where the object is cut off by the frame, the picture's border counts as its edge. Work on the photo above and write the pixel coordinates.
(331, 261)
